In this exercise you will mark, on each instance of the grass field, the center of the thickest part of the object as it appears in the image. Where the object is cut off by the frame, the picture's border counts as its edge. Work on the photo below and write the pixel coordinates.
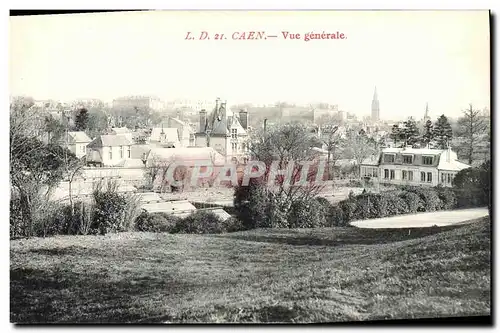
(316, 275)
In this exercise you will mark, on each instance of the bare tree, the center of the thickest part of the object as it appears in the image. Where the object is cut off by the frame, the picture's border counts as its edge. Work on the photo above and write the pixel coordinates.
(473, 126)
(330, 140)
(285, 144)
(360, 147)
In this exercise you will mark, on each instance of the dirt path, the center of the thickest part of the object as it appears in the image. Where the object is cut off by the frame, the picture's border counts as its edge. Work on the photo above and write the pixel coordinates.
(440, 219)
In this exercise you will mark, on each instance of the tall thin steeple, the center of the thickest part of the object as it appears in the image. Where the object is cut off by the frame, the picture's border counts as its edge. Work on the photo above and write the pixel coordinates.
(375, 106)
(426, 115)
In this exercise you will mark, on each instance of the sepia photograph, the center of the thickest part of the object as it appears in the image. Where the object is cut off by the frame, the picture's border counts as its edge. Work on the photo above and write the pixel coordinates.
(250, 167)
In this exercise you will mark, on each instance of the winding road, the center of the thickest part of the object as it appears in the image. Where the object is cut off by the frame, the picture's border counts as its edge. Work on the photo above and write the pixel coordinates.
(440, 219)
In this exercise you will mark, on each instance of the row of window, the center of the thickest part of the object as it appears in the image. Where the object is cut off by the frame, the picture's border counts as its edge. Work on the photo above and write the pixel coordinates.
(408, 159)
(110, 155)
(234, 146)
(408, 175)
(447, 178)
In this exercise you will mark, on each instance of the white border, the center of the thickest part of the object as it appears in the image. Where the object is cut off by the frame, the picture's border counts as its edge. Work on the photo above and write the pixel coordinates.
(200, 4)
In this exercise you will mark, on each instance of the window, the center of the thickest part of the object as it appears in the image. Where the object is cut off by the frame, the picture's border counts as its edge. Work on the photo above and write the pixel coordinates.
(405, 175)
(234, 145)
(422, 177)
(443, 178)
(121, 151)
(410, 175)
(429, 177)
(110, 153)
(128, 151)
(389, 158)
(407, 159)
(427, 160)
(450, 178)
(392, 174)
(386, 173)
(234, 133)
(375, 172)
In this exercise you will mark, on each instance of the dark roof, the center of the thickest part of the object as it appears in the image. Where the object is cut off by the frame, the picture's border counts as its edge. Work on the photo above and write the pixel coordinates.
(110, 141)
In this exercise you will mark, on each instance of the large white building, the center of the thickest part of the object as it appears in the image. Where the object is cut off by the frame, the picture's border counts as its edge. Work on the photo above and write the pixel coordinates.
(409, 166)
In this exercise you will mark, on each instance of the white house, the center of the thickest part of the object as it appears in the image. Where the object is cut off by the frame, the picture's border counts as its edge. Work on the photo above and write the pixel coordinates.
(109, 150)
(77, 143)
(410, 166)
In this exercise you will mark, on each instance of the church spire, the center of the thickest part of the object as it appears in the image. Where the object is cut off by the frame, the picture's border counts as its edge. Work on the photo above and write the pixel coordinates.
(375, 106)
(426, 115)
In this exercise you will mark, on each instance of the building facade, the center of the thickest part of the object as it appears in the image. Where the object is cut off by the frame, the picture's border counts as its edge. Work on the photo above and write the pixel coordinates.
(224, 131)
(409, 166)
(77, 143)
(109, 150)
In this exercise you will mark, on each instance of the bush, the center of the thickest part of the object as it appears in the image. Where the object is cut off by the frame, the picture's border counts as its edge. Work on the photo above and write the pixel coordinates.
(335, 217)
(252, 205)
(392, 204)
(447, 197)
(307, 214)
(367, 206)
(200, 222)
(428, 195)
(233, 224)
(413, 201)
(156, 222)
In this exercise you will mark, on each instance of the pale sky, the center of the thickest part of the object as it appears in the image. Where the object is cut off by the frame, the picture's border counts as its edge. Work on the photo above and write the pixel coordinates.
(413, 57)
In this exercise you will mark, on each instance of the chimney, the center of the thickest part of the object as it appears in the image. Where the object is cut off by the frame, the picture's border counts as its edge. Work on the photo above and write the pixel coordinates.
(244, 118)
(203, 120)
(217, 100)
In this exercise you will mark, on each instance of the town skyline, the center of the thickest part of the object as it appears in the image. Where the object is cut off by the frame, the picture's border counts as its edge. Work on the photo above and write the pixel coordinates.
(413, 58)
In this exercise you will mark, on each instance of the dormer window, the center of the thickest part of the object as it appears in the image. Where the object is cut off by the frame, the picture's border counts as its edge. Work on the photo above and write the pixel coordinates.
(407, 159)
(389, 158)
(427, 160)
(234, 133)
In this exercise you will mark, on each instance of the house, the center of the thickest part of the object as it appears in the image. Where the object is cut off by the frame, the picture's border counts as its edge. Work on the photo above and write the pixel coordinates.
(165, 137)
(224, 131)
(109, 150)
(122, 131)
(77, 143)
(185, 132)
(411, 166)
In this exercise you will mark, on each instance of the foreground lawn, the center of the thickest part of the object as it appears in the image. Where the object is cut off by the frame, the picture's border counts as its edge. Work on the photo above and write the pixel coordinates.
(317, 275)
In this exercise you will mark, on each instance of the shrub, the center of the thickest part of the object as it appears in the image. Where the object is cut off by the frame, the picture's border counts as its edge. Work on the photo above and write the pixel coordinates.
(307, 214)
(200, 222)
(367, 206)
(110, 207)
(233, 224)
(447, 197)
(348, 208)
(335, 217)
(413, 201)
(156, 222)
(391, 204)
(429, 197)
(252, 205)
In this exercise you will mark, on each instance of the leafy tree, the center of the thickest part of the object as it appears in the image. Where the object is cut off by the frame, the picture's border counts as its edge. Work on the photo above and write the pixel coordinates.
(82, 120)
(35, 167)
(442, 132)
(410, 132)
(472, 127)
(54, 129)
(428, 134)
(396, 134)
